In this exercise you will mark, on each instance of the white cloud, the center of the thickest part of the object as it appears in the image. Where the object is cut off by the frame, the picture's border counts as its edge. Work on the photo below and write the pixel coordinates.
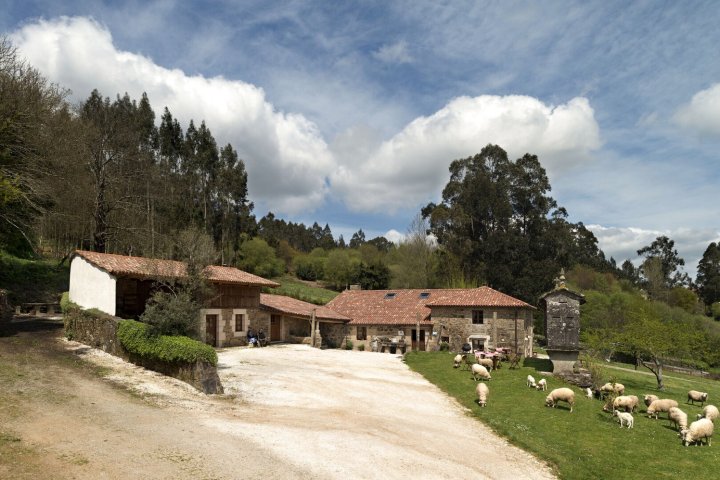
(394, 236)
(702, 114)
(411, 167)
(395, 53)
(286, 157)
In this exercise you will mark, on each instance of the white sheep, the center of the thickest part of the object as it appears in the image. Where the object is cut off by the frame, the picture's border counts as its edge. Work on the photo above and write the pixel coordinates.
(650, 398)
(480, 371)
(698, 430)
(662, 405)
(457, 360)
(589, 393)
(628, 402)
(625, 418)
(530, 381)
(695, 396)
(710, 412)
(542, 385)
(678, 417)
(560, 395)
(483, 392)
(609, 388)
(487, 363)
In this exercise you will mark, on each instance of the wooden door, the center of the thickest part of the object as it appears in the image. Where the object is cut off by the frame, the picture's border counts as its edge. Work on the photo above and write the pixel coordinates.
(211, 322)
(418, 343)
(422, 340)
(275, 323)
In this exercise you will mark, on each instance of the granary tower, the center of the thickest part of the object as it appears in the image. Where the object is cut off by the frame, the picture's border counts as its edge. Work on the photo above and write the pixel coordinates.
(562, 325)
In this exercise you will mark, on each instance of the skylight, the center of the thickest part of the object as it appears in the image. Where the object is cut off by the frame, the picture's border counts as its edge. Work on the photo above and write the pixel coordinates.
(424, 294)
(390, 296)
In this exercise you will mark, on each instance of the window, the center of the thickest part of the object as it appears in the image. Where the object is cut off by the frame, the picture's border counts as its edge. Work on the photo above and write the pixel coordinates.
(361, 333)
(425, 295)
(477, 317)
(389, 296)
(239, 322)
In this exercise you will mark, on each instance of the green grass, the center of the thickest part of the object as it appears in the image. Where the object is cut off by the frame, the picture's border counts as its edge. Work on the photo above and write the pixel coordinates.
(32, 280)
(587, 443)
(292, 287)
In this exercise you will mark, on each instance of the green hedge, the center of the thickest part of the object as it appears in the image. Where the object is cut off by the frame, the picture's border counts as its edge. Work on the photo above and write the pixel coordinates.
(137, 338)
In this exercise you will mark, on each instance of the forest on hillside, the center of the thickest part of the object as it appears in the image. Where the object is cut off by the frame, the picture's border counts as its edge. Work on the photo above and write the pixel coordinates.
(110, 174)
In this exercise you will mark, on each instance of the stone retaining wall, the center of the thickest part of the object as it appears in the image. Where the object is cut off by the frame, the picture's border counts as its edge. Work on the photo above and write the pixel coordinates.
(100, 331)
(5, 310)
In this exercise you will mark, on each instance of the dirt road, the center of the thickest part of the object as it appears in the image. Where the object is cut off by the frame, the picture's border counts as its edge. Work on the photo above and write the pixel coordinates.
(67, 411)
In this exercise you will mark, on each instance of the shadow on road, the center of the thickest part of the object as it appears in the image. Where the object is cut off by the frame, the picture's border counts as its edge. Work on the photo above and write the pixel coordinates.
(24, 326)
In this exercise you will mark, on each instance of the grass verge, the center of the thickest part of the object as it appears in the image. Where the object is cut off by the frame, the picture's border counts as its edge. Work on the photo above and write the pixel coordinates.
(292, 287)
(588, 443)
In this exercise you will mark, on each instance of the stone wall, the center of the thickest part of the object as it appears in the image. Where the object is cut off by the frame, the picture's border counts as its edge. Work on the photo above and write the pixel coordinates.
(562, 320)
(5, 310)
(497, 330)
(334, 335)
(100, 331)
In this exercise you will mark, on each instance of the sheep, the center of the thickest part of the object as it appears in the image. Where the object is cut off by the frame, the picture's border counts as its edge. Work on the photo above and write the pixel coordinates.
(480, 371)
(650, 398)
(625, 418)
(698, 430)
(483, 392)
(530, 381)
(609, 388)
(695, 396)
(662, 405)
(589, 393)
(457, 360)
(710, 412)
(542, 385)
(487, 363)
(678, 417)
(560, 394)
(629, 403)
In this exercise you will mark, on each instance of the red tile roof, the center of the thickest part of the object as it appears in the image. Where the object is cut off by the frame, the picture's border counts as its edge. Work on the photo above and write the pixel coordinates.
(298, 308)
(372, 307)
(153, 268)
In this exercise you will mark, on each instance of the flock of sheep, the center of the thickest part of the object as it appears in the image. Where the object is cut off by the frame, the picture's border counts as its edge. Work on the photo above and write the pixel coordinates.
(622, 405)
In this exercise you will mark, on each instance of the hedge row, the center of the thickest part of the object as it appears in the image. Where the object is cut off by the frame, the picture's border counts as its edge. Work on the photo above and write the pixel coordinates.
(137, 338)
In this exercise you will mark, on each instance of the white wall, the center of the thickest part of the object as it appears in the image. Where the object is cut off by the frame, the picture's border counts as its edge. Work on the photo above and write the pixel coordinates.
(91, 287)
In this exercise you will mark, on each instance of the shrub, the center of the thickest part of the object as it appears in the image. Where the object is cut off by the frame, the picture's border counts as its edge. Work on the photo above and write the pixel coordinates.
(348, 345)
(361, 347)
(139, 339)
(444, 347)
(65, 303)
(172, 314)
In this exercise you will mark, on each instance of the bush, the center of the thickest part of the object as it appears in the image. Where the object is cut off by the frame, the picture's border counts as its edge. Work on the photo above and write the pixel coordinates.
(444, 347)
(139, 339)
(348, 345)
(172, 314)
(65, 303)
(361, 347)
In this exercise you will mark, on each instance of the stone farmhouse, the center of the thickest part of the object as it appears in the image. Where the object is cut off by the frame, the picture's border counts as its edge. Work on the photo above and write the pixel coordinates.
(422, 318)
(121, 285)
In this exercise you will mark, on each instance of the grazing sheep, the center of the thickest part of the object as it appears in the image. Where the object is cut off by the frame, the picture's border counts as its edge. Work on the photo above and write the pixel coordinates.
(542, 385)
(625, 418)
(530, 381)
(480, 371)
(629, 403)
(698, 430)
(695, 396)
(560, 395)
(662, 405)
(678, 417)
(650, 398)
(589, 393)
(457, 360)
(710, 412)
(483, 392)
(609, 388)
(487, 363)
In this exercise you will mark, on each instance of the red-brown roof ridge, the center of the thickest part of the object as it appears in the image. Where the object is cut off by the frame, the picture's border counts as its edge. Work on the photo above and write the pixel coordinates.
(293, 306)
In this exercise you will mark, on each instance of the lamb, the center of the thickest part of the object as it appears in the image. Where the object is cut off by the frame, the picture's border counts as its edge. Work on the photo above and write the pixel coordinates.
(457, 360)
(698, 430)
(542, 385)
(589, 393)
(629, 403)
(650, 398)
(483, 391)
(662, 405)
(710, 412)
(609, 388)
(480, 371)
(625, 418)
(695, 396)
(487, 363)
(560, 395)
(530, 381)
(678, 417)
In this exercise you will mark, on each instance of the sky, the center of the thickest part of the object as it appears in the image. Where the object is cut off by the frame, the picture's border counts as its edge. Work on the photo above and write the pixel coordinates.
(349, 113)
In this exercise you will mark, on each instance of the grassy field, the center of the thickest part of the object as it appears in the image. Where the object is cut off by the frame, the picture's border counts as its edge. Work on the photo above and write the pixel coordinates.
(32, 280)
(587, 443)
(292, 287)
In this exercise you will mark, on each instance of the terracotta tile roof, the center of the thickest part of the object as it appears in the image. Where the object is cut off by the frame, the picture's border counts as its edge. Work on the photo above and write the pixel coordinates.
(298, 308)
(402, 307)
(141, 267)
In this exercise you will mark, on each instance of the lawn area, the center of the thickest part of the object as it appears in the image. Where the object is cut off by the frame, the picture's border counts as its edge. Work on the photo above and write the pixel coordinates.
(587, 443)
(292, 287)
